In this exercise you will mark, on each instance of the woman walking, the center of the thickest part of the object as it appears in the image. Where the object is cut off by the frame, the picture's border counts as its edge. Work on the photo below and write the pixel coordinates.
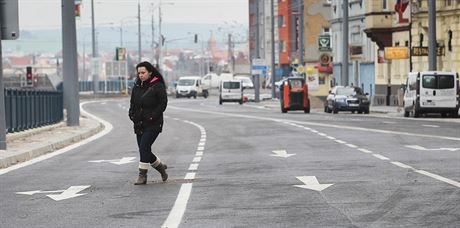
(147, 104)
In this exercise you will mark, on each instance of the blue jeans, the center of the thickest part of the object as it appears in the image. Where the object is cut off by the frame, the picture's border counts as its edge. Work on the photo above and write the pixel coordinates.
(144, 142)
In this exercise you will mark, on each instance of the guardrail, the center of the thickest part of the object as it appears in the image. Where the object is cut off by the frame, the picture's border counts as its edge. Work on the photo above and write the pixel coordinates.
(26, 109)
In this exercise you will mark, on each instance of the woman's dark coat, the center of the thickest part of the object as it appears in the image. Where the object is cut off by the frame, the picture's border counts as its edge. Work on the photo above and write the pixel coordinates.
(148, 102)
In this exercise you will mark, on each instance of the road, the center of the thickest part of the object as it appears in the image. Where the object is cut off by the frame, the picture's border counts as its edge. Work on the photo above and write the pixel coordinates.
(245, 165)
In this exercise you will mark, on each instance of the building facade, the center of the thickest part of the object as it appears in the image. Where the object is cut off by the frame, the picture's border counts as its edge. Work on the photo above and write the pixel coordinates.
(361, 49)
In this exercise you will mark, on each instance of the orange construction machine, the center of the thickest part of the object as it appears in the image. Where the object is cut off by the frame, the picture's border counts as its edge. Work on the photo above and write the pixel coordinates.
(294, 95)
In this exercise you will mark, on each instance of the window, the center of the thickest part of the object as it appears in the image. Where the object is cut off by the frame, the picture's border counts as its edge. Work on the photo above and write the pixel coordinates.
(326, 31)
(446, 82)
(447, 2)
(438, 81)
(281, 21)
(384, 5)
(231, 85)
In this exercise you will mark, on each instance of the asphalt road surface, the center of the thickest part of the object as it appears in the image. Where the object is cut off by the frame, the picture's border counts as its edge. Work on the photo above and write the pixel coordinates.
(246, 165)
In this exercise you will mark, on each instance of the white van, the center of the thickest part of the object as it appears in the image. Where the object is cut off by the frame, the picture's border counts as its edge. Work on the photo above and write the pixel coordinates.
(190, 86)
(432, 92)
(212, 80)
(230, 91)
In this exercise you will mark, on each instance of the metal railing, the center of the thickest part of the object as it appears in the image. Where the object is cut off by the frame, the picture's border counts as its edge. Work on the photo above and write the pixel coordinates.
(26, 109)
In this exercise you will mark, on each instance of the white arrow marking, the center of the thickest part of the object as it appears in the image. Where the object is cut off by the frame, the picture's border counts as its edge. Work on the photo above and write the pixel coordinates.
(417, 147)
(281, 153)
(70, 193)
(38, 191)
(310, 182)
(124, 160)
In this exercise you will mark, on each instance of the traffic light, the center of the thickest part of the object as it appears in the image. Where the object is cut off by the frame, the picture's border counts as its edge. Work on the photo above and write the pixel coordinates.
(29, 77)
(196, 38)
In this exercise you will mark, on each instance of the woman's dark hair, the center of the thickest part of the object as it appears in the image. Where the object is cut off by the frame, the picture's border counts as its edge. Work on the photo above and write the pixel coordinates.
(151, 69)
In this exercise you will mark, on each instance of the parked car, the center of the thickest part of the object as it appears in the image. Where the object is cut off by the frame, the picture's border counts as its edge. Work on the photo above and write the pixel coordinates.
(347, 98)
(432, 92)
(246, 81)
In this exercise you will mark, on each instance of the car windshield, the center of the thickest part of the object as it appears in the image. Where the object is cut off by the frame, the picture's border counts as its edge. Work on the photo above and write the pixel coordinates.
(186, 82)
(231, 85)
(349, 91)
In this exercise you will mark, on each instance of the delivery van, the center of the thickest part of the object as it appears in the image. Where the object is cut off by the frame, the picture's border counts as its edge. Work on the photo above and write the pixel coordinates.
(191, 86)
(231, 91)
(432, 92)
(212, 80)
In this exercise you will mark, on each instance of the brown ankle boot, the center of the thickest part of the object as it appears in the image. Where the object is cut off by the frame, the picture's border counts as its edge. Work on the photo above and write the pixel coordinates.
(161, 168)
(142, 179)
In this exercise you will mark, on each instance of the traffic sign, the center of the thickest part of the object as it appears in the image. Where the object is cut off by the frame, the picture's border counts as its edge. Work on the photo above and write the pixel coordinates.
(324, 43)
(258, 67)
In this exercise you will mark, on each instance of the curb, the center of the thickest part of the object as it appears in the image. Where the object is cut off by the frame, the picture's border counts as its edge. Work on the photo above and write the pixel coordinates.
(22, 134)
(41, 150)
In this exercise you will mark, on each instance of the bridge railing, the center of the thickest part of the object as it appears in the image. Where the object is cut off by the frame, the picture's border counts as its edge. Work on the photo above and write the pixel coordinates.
(27, 109)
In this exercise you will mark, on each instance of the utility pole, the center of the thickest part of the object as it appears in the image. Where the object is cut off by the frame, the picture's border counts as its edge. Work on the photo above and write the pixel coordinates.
(432, 35)
(93, 33)
(230, 55)
(153, 36)
(300, 32)
(2, 97)
(257, 76)
(139, 58)
(272, 22)
(70, 63)
(160, 41)
(344, 73)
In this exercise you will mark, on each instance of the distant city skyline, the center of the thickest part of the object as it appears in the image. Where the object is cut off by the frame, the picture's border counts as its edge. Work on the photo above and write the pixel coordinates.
(41, 14)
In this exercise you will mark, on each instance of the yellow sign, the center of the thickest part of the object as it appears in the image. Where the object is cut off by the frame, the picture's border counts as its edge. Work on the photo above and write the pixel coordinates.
(396, 53)
(300, 69)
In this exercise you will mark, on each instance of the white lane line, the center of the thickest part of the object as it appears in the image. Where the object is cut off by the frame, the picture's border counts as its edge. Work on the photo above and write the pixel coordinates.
(411, 134)
(189, 176)
(440, 178)
(340, 141)
(178, 210)
(176, 119)
(322, 134)
(107, 128)
(314, 131)
(351, 145)
(330, 137)
(193, 166)
(381, 157)
(402, 165)
(365, 151)
(428, 125)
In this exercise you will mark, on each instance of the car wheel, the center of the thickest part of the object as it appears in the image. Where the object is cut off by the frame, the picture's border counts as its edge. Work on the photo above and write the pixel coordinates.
(177, 95)
(353, 112)
(455, 114)
(360, 112)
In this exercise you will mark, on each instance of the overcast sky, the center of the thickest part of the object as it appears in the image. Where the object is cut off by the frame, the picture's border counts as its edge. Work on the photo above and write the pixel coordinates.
(47, 13)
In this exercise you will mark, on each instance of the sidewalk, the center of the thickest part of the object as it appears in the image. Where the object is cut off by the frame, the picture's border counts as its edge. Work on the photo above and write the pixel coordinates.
(23, 146)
